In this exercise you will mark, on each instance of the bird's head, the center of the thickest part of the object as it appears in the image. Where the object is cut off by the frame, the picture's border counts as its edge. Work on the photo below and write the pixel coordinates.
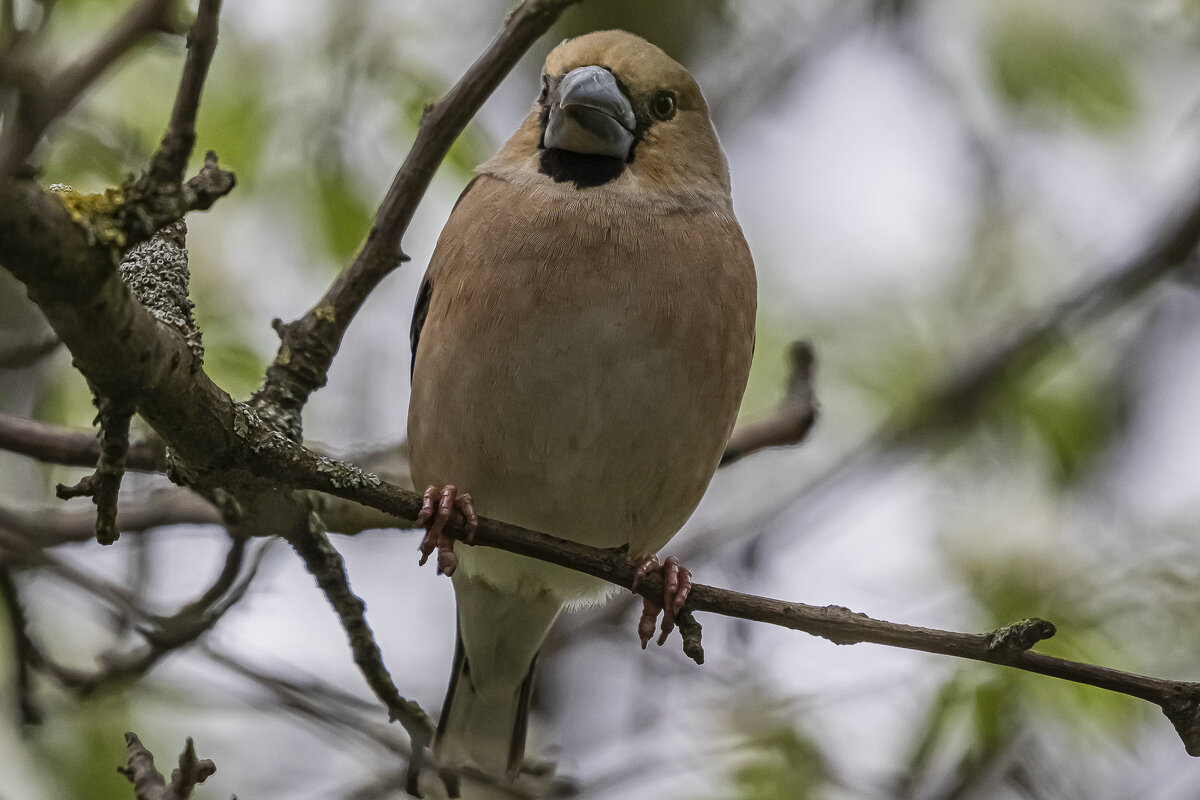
(616, 111)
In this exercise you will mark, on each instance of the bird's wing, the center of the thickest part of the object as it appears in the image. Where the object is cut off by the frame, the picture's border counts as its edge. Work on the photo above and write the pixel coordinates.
(425, 295)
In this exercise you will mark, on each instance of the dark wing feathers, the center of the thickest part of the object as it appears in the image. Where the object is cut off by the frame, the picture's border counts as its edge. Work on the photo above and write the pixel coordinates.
(420, 312)
(425, 293)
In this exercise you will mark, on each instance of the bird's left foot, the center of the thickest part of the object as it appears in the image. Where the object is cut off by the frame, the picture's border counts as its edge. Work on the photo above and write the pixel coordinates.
(437, 506)
(677, 583)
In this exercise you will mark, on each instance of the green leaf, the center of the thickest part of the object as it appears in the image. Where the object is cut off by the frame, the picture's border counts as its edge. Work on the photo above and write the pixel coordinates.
(777, 760)
(673, 25)
(342, 212)
(769, 370)
(86, 158)
(234, 120)
(469, 150)
(1035, 575)
(1039, 62)
(982, 711)
(1063, 411)
(784, 765)
(1074, 423)
(82, 747)
(235, 367)
(64, 399)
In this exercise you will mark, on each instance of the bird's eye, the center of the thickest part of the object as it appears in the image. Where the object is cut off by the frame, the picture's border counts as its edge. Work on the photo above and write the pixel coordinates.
(663, 105)
(545, 90)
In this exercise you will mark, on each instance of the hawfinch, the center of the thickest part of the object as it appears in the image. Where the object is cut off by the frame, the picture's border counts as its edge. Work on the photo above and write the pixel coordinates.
(581, 343)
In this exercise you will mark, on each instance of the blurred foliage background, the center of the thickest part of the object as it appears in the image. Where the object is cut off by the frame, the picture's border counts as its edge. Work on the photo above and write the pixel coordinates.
(917, 179)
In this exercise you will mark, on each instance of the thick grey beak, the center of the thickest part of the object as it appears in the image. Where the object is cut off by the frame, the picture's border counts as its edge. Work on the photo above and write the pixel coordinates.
(591, 115)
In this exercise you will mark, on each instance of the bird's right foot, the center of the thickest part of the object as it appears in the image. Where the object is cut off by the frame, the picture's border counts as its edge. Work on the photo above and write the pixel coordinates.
(437, 507)
(677, 584)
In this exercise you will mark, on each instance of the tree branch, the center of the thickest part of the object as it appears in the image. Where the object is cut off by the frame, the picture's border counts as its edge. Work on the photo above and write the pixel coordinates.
(22, 647)
(162, 635)
(1171, 248)
(795, 417)
(1009, 646)
(148, 782)
(21, 354)
(116, 343)
(104, 484)
(43, 528)
(962, 394)
(56, 445)
(157, 194)
(211, 432)
(264, 451)
(37, 109)
(165, 635)
(1179, 700)
(170, 160)
(317, 701)
(309, 344)
(325, 564)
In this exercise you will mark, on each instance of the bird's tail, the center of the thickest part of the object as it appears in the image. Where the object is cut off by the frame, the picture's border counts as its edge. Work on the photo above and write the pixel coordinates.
(486, 711)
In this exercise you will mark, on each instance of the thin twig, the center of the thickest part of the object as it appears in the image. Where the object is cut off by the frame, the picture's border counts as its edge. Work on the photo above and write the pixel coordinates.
(53, 526)
(795, 417)
(317, 701)
(159, 192)
(21, 354)
(341, 712)
(22, 650)
(148, 782)
(163, 635)
(16, 553)
(41, 108)
(325, 564)
(309, 344)
(57, 445)
(104, 484)
(962, 395)
(46, 527)
(139, 570)
(1179, 700)
(170, 160)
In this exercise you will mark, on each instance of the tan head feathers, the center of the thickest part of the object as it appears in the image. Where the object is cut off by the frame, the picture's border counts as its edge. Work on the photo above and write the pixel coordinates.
(615, 114)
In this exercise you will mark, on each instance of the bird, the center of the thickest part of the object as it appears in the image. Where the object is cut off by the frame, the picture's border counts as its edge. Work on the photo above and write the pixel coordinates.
(581, 343)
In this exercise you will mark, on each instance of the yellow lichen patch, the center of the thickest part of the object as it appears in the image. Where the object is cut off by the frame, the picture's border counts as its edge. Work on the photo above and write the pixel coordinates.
(95, 213)
(326, 313)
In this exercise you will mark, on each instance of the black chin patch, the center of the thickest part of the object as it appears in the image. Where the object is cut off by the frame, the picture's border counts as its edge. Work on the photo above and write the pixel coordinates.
(582, 169)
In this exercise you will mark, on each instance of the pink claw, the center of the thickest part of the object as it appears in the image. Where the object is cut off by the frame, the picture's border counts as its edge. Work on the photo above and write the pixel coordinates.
(677, 584)
(436, 510)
